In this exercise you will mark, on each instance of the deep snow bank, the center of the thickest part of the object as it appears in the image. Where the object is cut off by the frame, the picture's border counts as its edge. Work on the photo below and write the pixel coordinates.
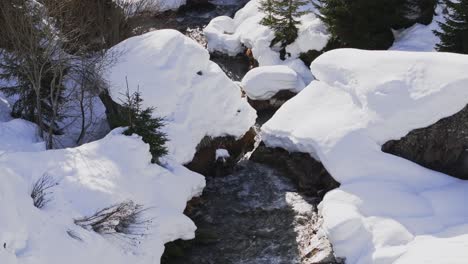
(388, 210)
(229, 35)
(262, 83)
(91, 177)
(174, 74)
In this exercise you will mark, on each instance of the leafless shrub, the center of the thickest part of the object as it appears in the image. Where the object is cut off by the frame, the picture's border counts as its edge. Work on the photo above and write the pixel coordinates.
(40, 190)
(123, 219)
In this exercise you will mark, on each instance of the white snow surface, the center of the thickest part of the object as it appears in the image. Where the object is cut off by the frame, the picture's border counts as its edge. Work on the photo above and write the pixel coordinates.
(174, 74)
(230, 35)
(114, 169)
(388, 209)
(262, 83)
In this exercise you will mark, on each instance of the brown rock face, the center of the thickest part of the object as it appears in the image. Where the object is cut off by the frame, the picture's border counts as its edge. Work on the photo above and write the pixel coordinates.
(272, 104)
(309, 174)
(204, 161)
(442, 147)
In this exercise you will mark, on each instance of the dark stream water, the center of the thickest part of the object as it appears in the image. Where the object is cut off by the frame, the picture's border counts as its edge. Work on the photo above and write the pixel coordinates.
(255, 215)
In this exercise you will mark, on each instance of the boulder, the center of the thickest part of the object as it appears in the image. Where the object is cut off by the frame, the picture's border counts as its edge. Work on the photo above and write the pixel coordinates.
(442, 146)
(205, 162)
(272, 104)
(309, 174)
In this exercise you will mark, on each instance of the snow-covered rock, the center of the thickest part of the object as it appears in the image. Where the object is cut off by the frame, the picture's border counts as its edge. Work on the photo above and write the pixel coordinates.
(174, 74)
(114, 169)
(230, 35)
(387, 210)
(263, 83)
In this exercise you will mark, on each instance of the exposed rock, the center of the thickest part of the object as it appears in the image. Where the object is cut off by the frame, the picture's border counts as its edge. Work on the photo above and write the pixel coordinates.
(273, 103)
(442, 147)
(306, 172)
(114, 111)
(205, 162)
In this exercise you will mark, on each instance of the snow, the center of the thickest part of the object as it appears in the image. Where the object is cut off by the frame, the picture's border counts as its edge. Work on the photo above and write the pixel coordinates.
(114, 169)
(231, 35)
(419, 37)
(262, 83)
(388, 209)
(222, 154)
(174, 74)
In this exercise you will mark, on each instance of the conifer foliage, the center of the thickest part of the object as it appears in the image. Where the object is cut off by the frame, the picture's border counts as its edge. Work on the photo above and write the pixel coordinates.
(454, 31)
(282, 16)
(363, 24)
(141, 122)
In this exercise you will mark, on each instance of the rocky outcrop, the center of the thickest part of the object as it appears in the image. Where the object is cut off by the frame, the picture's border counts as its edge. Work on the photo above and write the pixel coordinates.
(205, 161)
(273, 103)
(442, 147)
(309, 174)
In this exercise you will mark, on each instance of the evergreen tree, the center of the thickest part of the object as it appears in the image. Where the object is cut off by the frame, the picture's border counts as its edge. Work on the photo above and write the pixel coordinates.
(281, 16)
(454, 31)
(420, 11)
(141, 122)
(362, 24)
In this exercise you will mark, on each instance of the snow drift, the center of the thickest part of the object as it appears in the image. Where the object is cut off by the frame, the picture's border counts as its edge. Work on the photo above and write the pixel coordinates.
(388, 210)
(91, 177)
(174, 74)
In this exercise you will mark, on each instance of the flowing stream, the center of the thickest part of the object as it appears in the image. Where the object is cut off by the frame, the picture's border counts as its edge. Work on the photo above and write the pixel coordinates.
(255, 215)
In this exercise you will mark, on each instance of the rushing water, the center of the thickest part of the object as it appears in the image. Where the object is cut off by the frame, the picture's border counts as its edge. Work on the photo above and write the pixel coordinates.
(255, 215)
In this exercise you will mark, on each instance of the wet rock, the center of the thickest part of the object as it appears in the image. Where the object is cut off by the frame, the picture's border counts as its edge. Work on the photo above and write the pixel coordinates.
(273, 103)
(306, 172)
(205, 161)
(442, 147)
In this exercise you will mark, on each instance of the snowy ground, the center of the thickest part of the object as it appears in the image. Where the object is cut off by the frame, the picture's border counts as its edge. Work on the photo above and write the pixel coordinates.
(388, 210)
(174, 74)
(91, 177)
